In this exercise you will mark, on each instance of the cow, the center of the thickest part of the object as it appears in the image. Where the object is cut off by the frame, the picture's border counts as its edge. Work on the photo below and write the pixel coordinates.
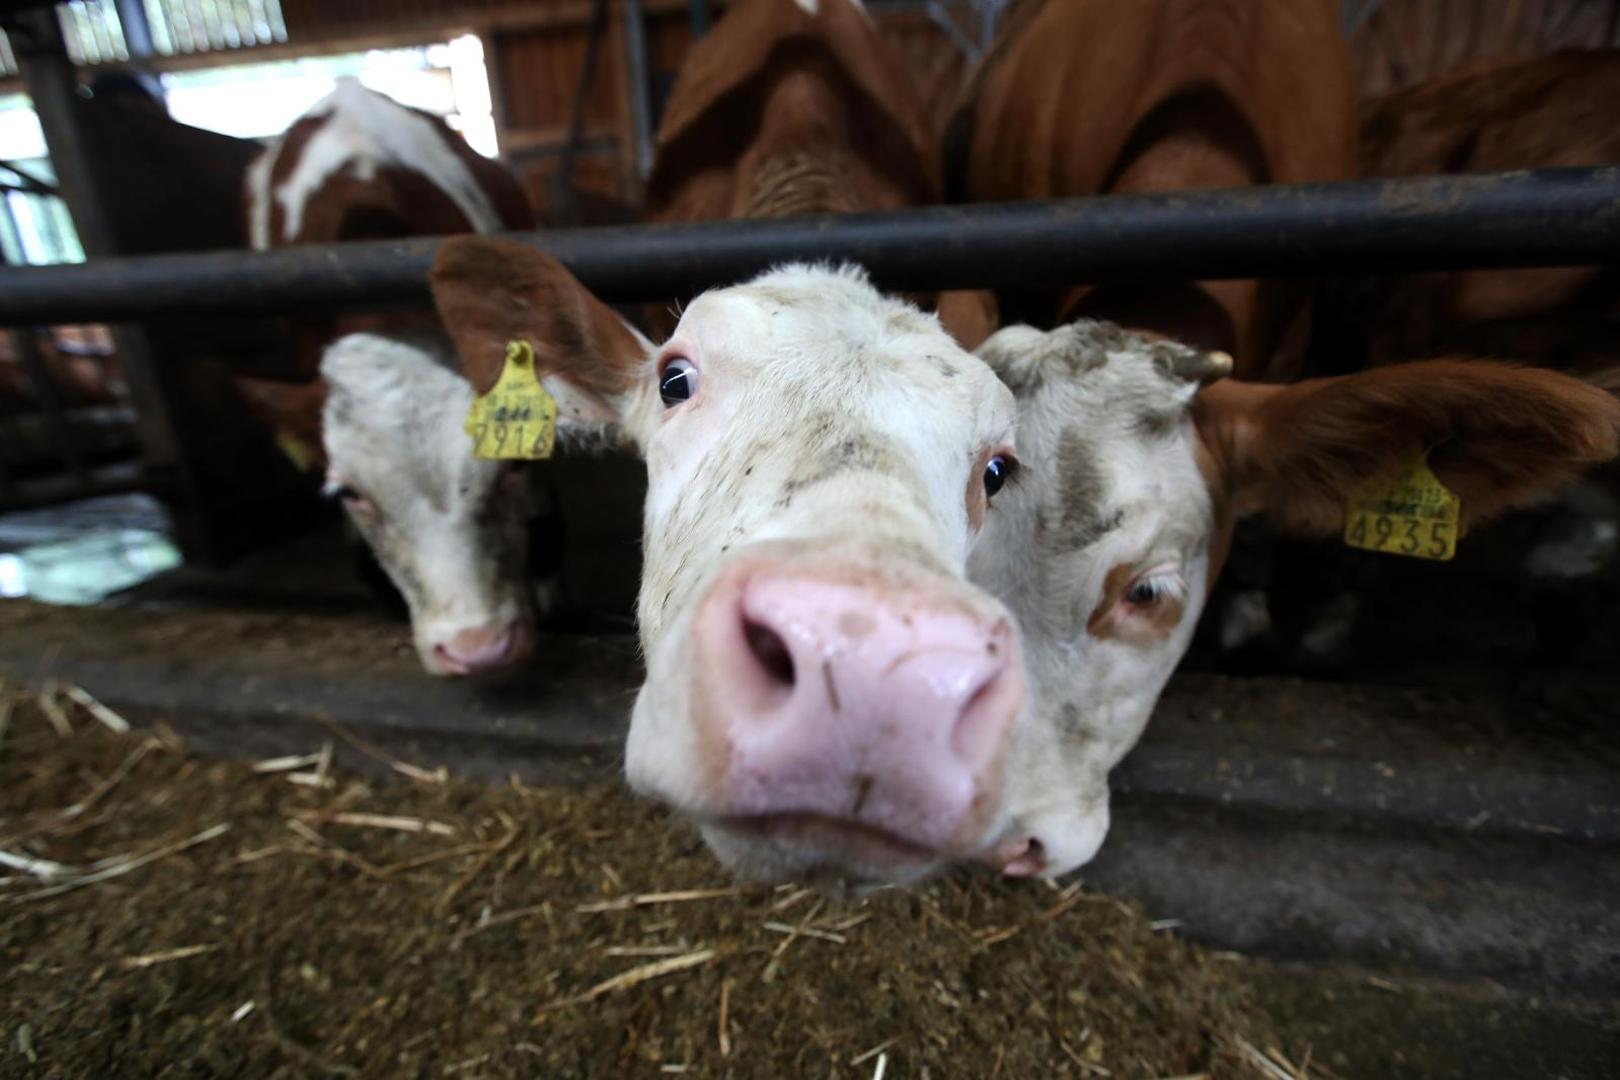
(1084, 97)
(453, 532)
(1199, 94)
(876, 643)
(1523, 114)
(792, 107)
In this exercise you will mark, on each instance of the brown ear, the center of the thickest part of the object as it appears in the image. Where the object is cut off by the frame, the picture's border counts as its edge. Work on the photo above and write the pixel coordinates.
(1497, 437)
(490, 291)
(969, 315)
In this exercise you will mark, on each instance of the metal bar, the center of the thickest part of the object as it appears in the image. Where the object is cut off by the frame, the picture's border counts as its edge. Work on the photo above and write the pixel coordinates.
(1556, 217)
(635, 50)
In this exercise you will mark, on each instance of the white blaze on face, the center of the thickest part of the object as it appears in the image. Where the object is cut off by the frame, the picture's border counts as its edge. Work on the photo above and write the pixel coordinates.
(1102, 554)
(449, 529)
(362, 132)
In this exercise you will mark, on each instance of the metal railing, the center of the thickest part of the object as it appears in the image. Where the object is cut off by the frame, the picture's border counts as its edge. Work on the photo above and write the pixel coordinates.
(1558, 217)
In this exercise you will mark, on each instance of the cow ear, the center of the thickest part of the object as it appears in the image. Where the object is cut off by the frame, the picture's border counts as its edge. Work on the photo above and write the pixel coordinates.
(1497, 436)
(491, 291)
(968, 315)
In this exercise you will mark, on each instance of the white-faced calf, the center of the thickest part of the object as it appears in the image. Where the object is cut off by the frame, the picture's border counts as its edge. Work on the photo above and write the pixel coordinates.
(452, 532)
(825, 690)
(1135, 476)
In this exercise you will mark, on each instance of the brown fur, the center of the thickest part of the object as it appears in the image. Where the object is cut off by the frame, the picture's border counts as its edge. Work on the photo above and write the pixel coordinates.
(1137, 628)
(780, 113)
(777, 112)
(1553, 111)
(1175, 95)
(397, 203)
(847, 94)
(574, 334)
(1497, 436)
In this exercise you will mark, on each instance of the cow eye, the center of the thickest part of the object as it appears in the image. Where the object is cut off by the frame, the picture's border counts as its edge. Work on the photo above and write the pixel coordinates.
(1151, 588)
(678, 382)
(997, 471)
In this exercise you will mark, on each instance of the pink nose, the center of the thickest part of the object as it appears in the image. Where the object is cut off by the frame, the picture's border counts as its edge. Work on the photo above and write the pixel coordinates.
(853, 703)
(482, 648)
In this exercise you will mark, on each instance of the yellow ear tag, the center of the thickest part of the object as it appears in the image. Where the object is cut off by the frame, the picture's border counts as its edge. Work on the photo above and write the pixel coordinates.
(517, 418)
(1410, 514)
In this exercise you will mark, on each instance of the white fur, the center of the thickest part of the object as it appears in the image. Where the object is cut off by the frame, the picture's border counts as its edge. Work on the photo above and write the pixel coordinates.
(451, 539)
(364, 131)
(1085, 401)
(792, 367)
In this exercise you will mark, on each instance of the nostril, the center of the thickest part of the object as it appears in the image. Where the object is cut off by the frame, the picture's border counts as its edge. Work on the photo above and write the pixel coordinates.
(448, 662)
(770, 651)
(1028, 862)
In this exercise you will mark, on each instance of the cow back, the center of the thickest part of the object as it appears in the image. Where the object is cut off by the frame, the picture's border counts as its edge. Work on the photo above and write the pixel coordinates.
(1087, 97)
(1553, 111)
(791, 108)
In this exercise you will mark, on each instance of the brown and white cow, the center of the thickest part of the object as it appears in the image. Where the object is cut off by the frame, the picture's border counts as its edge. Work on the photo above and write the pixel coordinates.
(451, 531)
(830, 692)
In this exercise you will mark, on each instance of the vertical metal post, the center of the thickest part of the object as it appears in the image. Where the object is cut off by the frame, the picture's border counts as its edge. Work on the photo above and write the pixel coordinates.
(635, 51)
(137, 31)
(138, 40)
(52, 83)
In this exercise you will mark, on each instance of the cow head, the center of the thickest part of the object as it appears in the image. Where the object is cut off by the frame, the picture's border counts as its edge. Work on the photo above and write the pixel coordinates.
(1137, 472)
(825, 692)
(450, 530)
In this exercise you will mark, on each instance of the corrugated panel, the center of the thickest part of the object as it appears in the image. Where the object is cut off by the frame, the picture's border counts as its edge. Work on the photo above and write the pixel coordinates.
(540, 71)
(192, 26)
(95, 35)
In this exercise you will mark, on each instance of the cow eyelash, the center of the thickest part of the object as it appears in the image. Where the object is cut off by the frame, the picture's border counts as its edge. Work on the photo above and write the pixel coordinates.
(1151, 588)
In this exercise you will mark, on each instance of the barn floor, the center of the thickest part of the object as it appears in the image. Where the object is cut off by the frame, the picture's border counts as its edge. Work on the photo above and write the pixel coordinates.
(1418, 872)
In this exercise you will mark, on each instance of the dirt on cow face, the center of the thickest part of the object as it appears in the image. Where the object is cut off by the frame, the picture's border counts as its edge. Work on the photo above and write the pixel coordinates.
(514, 935)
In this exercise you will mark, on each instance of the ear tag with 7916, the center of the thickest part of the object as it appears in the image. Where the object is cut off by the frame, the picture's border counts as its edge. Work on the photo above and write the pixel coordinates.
(1412, 513)
(517, 418)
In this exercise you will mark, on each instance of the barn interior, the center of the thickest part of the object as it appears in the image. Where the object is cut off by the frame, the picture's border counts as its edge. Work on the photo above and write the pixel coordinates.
(1371, 829)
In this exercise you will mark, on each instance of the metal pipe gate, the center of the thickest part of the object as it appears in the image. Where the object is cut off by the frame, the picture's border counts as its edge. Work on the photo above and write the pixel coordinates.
(1555, 217)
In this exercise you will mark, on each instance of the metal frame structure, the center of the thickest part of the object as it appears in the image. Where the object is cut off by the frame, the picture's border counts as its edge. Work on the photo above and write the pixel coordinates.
(1555, 217)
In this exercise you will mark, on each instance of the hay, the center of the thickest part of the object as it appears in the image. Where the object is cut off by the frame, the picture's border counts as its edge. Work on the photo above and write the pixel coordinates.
(204, 918)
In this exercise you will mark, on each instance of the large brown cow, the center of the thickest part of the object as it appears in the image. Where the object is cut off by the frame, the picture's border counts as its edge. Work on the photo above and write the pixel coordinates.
(1090, 97)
